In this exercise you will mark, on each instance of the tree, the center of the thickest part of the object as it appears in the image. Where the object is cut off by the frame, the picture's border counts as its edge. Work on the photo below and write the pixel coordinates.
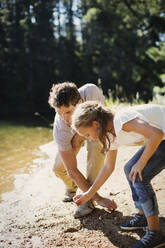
(119, 35)
(121, 43)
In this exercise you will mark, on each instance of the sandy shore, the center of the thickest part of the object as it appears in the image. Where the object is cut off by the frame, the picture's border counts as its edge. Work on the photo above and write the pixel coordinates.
(33, 215)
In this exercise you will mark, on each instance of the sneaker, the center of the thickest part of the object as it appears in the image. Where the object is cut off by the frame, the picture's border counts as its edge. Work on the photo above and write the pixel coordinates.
(152, 239)
(138, 222)
(83, 210)
(68, 196)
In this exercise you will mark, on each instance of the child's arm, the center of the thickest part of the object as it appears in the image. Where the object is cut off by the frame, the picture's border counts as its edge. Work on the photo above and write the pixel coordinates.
(154, 137)
(103, 175)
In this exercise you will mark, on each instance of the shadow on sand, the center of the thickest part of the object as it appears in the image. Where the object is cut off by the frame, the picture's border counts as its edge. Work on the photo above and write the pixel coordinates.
(109, 224)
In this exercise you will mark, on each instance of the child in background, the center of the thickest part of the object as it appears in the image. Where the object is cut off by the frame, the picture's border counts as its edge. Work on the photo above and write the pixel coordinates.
(129, 126)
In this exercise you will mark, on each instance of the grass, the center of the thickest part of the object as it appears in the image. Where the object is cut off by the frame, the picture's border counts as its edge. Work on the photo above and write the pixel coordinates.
(158, 98)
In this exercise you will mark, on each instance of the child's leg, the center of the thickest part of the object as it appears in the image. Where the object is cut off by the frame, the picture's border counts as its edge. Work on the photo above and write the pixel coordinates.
(142, 191)
(127, 170)
(153, 222)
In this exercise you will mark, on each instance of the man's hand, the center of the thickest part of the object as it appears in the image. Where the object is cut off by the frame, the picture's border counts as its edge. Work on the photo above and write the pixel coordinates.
(102, 201)
(107, 203)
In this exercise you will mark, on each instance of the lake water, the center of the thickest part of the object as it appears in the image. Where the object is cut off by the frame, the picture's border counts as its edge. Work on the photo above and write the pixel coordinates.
(19, 147)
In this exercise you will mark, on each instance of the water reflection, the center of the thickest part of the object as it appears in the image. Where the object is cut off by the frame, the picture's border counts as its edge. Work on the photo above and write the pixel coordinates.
(19, 147)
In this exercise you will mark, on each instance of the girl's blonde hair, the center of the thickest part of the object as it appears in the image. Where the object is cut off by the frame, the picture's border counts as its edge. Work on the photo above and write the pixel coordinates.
(89, 111)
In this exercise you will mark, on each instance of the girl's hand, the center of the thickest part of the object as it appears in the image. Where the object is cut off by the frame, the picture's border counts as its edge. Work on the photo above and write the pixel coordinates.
(136, 170)
(107, 203)
(81, 198)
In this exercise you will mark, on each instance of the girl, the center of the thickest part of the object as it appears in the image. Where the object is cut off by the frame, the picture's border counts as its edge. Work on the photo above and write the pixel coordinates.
(130, 126)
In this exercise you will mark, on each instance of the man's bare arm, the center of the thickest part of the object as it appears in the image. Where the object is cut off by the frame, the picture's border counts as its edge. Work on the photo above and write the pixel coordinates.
(70, 163)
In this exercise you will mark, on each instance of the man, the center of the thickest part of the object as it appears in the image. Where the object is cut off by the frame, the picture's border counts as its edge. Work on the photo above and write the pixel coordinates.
(63, 98)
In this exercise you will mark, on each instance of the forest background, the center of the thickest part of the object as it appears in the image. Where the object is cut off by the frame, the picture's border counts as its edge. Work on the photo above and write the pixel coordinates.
(118, 45)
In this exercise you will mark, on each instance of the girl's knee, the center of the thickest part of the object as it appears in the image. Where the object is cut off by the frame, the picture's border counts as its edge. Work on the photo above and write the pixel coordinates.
(133, 161)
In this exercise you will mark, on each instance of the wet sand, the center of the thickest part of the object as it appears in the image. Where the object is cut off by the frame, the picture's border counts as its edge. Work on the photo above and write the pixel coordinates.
(33, 215)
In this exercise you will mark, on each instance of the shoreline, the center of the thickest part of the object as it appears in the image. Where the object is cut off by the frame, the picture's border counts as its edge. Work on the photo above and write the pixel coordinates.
(33, 215)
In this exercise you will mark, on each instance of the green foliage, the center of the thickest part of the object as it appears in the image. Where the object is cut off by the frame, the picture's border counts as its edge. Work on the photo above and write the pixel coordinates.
(159, 95)
(157, 53)
(119, 42)
(120, 33)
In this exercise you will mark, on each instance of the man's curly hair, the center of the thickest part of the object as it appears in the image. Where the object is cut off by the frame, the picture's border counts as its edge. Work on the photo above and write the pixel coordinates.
(64, 94)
